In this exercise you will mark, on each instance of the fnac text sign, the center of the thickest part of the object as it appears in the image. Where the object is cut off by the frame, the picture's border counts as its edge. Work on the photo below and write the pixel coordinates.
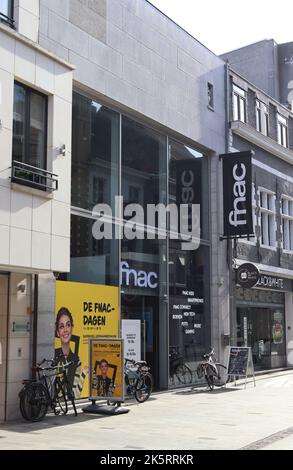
(237, 181)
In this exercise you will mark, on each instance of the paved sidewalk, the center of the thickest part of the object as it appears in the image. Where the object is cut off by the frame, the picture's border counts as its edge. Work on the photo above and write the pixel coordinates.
(231, 418)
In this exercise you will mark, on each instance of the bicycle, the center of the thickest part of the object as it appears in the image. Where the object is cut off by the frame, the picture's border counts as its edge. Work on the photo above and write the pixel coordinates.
(51, 389)
(179, 371)
(138, 381)
(214, 372)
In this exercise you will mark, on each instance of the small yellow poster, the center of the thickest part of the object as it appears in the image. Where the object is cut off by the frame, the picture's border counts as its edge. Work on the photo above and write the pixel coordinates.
(106, 372)
(82, 311)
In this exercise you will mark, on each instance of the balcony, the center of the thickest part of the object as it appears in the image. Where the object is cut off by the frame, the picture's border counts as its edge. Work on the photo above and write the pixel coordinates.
(34, 177)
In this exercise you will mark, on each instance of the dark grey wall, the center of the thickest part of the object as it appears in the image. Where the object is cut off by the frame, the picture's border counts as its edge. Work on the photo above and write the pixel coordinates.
(258, 63)
(285, 53)
(272, 180)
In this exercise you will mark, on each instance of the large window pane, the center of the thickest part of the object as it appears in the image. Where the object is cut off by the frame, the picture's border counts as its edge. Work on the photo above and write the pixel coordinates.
(144, 295)
(144, 161)
(190, 160)
(19, 116)
(37, 137)
(92, 261)
(189, 321)
(29, 126)
(6, 8)
(95, 153)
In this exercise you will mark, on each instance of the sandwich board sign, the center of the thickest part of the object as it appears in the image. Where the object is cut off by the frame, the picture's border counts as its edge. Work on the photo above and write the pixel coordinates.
(240, 363)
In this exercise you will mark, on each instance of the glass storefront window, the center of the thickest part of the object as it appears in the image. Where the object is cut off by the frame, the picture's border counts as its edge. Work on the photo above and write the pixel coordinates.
(189, 320)
(263, 329)
(144, 164)
(92, 261)
(195, 167)
(143, 296)
(95, 153)
(154, 273)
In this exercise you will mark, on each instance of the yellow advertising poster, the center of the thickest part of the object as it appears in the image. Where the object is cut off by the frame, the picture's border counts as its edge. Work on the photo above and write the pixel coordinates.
(106, 371)
(82, 311)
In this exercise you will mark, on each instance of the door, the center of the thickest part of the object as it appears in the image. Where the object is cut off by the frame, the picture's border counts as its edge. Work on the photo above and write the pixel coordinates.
(262, 329)
(145, 308)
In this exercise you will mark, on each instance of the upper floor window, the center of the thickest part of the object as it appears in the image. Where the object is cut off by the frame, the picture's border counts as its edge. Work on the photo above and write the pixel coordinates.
(239, 104)
(262, 117)
(29, 126)
(267, 208)
(252, 239)
(210, 95)
(287, 222)
(6, 11)
(282, 129)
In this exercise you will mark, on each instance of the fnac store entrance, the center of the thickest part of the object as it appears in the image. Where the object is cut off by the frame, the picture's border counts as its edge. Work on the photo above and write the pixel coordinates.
(144, 308)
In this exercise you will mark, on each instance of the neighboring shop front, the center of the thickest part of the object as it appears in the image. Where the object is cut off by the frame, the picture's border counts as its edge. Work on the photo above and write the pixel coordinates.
(261, 320)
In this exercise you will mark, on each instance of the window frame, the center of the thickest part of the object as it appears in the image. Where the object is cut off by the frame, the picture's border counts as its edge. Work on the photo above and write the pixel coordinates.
(8, 19)
(271, 217)
(287, 217)
(27, 112)
(282, 125)
(210, 93)
(251, 240)
(238, 98)
(262, 117)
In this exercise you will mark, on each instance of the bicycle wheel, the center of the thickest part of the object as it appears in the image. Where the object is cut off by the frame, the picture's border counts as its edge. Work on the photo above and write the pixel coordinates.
(70, 393)
(143, 387)
(183, 375)
(222, 377)
(33, 402)
(60, 396)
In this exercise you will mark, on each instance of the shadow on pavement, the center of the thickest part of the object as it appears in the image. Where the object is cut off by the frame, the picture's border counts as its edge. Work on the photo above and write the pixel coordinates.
(49, 421)
(197, 391)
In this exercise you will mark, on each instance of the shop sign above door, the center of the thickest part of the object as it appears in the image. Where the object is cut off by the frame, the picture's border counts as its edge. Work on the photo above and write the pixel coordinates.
(247, 275)
(274, 282)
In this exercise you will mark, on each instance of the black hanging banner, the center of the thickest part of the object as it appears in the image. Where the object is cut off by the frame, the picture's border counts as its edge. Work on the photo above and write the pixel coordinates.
(237, 183)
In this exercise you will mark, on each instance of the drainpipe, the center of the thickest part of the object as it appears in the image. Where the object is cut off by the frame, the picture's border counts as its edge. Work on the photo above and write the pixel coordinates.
(231, 246)
(35, 323)
(7, 348)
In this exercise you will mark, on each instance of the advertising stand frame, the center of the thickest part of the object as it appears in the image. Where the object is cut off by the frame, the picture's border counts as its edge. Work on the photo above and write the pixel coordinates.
(249, 368)
(105, 409)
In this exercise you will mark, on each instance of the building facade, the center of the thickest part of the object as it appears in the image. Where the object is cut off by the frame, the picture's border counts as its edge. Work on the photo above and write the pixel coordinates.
(144, 97)
(276, 59)
(261, 317)
(35, 142)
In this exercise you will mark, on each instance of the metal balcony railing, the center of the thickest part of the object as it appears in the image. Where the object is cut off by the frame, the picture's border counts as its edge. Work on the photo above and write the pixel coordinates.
(7, 19)
(37, 178)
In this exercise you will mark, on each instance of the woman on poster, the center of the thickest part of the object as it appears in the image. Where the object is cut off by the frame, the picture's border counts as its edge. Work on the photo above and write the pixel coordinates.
(63, 330)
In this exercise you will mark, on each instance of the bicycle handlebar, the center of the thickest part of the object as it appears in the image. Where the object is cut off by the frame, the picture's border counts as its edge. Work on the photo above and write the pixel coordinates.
(53, 362)
(132, 361)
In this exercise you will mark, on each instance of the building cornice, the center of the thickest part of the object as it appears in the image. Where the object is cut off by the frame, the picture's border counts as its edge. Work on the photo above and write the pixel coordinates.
(266, 143)
(33, 45)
